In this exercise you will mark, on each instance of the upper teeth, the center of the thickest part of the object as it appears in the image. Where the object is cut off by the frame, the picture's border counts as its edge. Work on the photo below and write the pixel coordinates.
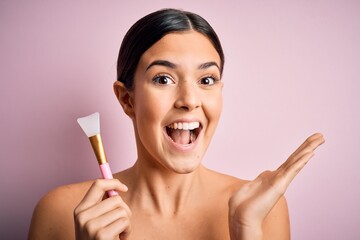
(184, 125)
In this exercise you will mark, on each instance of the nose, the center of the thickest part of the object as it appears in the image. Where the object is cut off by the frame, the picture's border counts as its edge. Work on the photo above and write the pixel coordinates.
(188, 97)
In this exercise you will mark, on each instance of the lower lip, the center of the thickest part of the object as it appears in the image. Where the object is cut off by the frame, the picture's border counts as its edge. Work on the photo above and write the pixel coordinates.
(182, 147)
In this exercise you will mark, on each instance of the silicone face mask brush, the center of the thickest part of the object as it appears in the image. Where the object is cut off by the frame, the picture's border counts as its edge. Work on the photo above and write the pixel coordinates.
(91, 126)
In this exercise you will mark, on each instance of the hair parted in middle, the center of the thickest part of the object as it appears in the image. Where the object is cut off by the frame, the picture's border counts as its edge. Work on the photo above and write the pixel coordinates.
(150, 29)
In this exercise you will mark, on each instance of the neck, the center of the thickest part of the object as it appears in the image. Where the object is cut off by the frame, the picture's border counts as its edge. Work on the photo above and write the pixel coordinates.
(160, 190)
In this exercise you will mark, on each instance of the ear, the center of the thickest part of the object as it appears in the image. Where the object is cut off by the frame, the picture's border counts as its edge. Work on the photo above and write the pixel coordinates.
(125, 98)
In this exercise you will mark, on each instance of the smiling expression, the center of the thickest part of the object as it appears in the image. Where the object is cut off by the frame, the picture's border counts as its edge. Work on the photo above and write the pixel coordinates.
(176, 101)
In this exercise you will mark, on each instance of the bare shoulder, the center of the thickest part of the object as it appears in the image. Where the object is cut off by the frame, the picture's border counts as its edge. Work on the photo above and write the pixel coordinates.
(224, 183)
(277, 224)
(53, 215)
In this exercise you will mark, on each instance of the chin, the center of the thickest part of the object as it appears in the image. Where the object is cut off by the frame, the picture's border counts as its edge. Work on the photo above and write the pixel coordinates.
(184, 167)
(184, 170)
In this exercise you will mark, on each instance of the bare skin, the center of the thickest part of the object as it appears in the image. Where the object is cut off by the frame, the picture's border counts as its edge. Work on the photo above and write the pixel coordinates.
(202, 215)
(168, 193)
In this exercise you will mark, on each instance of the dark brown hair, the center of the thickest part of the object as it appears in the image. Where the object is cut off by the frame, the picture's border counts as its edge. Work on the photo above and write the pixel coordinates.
(150, 29)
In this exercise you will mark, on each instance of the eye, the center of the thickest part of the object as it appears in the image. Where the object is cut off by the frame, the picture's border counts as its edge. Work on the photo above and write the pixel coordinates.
(208, 80)
(163, 80)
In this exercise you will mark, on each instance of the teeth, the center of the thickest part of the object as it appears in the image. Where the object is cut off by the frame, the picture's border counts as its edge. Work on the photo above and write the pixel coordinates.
(184, 125)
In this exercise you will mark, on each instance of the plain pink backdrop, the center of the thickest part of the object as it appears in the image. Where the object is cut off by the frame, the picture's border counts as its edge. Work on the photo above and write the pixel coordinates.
(292, 68)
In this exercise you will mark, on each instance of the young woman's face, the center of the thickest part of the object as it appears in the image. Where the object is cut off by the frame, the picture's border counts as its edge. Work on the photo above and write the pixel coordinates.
(177, 101)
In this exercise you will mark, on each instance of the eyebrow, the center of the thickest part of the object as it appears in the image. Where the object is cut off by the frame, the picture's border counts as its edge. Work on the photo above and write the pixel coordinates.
(161, 63)
(169, 64)
(209, 64)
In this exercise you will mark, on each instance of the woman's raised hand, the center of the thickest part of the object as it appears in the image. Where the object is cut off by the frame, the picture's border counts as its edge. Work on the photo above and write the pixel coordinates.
(96, 218)
(249, 206)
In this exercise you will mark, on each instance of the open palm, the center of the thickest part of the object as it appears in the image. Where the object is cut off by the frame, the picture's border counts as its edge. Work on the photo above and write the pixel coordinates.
(249, 206)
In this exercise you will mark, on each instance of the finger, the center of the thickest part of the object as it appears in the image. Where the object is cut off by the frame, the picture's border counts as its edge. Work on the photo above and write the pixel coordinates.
(108, 205)
(295, 168)
(305, 143)
(311, 141)
(96, 192)
(102, 208)
(310, 144)
(291, 167)
(105, 220)
(120, 227)
(282, 177)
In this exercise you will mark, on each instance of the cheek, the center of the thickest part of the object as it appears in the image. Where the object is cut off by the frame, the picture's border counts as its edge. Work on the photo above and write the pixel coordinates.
(214, 106)
(151, 106)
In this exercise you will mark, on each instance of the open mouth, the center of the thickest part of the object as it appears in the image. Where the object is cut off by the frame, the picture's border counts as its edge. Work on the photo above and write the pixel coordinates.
(183, 132)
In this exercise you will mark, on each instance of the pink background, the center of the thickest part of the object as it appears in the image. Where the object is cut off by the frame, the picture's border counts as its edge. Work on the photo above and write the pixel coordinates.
(292, 68)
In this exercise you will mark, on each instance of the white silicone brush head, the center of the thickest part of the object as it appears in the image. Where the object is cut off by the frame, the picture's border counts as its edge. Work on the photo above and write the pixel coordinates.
(90, 124)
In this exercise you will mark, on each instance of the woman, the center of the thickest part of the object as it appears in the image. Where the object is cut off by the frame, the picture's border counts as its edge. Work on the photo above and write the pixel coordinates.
(169, 84)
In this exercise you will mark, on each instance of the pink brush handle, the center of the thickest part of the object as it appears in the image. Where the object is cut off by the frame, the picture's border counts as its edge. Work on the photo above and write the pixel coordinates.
(106, 173)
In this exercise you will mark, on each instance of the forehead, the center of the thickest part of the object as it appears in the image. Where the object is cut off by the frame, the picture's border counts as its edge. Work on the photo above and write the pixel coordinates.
(186, 47)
